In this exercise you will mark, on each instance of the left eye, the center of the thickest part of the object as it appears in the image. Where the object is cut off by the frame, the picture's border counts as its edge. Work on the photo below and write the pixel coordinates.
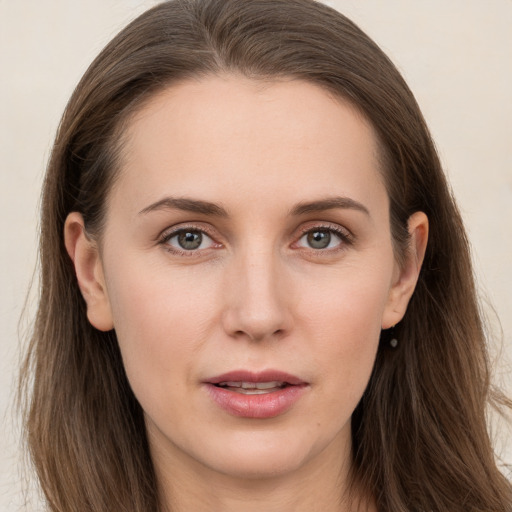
(189, 240)
(320, 239)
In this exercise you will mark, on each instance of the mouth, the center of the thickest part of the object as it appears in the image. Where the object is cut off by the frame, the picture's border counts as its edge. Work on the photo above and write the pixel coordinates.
(244, 380)
(253, 388)
(256, 395)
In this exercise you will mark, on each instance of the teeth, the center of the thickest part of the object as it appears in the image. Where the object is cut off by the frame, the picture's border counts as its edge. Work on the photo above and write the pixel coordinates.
(253, 385)
(254, 391)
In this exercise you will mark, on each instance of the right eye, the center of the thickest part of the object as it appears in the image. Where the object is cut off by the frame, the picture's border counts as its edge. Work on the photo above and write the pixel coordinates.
(187, 240)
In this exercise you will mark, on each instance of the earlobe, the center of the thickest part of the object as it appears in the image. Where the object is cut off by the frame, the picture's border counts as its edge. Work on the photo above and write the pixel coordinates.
(86, 259)
(407, 275)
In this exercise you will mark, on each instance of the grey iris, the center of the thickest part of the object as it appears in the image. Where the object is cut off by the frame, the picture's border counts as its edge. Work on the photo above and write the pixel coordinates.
(319, 239)
(190, 240)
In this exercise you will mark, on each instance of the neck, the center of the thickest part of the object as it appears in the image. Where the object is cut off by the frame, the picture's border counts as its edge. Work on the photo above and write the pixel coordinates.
(321, 484)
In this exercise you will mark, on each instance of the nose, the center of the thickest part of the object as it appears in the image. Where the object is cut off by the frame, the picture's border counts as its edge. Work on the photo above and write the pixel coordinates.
(257, 299)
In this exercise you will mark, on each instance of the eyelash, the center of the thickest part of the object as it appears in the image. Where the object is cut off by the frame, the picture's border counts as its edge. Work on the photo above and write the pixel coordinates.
(345, 236)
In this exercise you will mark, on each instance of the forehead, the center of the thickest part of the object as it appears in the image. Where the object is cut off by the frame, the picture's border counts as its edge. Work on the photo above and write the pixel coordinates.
(216, 102)
(200, 135)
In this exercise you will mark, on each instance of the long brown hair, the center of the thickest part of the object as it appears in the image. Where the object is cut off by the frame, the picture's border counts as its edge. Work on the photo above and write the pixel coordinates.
(420, 439)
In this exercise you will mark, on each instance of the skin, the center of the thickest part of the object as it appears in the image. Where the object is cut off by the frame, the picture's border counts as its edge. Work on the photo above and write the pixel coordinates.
(255, 294)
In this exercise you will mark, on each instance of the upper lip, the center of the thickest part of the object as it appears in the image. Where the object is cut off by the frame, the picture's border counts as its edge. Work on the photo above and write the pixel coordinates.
(249, 376)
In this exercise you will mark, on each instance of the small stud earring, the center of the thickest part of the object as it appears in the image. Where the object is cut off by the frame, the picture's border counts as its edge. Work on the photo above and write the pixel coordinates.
(393, 341)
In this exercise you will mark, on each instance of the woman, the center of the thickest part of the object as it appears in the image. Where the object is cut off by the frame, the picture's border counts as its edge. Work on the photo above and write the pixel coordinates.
(256, 287)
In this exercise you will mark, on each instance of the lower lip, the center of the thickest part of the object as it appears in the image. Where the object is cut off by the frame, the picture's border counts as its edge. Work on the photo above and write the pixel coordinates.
(267, 405)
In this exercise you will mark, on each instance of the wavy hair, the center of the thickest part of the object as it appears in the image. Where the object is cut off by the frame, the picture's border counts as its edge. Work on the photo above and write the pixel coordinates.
(420, 438)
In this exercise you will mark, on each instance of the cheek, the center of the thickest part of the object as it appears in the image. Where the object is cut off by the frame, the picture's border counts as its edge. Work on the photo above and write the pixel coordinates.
(343, 317)
(350, 301)
(161, 320)
(154, 300)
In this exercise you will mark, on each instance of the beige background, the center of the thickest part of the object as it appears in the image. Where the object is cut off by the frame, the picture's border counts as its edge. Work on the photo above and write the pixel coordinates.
(455, 54)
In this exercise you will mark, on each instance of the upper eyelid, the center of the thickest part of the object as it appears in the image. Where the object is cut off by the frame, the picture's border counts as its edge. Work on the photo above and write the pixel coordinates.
(329, 226)
(171, 231)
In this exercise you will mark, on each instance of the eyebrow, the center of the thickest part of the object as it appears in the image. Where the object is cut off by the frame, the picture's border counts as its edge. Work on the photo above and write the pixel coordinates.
(187, 205)
(207, 208)
(329, 203)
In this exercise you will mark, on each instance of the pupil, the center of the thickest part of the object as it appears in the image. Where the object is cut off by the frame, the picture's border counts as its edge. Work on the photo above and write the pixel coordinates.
(319, 239)
(190, 240)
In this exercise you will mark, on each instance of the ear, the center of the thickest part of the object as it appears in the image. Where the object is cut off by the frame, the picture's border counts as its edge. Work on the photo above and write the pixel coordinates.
(406, 277)
(89, 272)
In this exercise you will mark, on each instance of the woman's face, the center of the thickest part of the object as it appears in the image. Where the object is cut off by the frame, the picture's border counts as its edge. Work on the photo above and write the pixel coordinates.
(247, 268)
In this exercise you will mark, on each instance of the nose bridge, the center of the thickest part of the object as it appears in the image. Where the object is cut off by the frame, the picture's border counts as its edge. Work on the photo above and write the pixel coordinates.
(256, 308)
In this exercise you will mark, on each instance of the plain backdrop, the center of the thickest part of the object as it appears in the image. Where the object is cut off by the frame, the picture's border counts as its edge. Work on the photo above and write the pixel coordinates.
(455, 54)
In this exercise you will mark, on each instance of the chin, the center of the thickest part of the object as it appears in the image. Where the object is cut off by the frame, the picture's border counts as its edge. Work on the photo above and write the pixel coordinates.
(263, 455)
(261, 463)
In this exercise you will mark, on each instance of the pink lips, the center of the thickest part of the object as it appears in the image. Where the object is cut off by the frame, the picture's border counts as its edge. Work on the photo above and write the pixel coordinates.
(255, 395)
